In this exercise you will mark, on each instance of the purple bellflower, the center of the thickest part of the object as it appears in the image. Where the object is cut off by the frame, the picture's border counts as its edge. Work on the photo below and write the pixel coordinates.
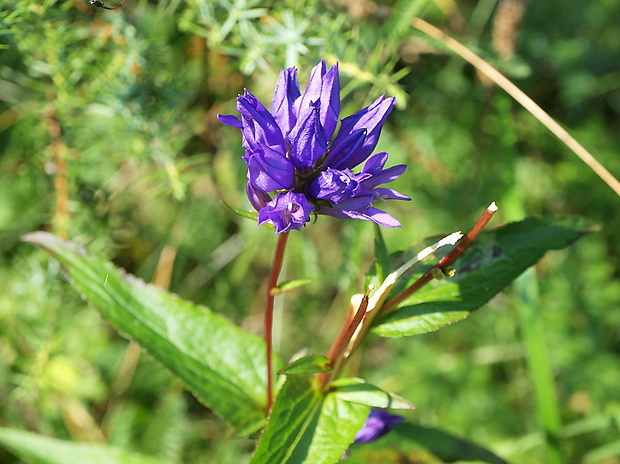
(379, 423)
(297, 166)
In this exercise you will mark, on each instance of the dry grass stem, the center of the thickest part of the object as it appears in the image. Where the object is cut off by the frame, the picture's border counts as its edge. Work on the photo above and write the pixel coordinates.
(525, 101)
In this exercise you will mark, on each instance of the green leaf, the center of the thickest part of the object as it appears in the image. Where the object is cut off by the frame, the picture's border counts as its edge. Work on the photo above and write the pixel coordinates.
(308, 427)
(241, 212)
(221, 364)
(247, 214)
(358, 391)
(408, 442)
(490, 264)
(289, 285)
(311, 364)
(39, 449)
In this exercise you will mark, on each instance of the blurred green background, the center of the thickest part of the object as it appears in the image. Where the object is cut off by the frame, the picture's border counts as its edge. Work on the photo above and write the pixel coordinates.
(109, 137)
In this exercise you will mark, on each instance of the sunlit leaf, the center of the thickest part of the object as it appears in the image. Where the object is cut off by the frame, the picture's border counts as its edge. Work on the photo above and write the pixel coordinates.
(308, 427)
(493, 262)
(241, 212)
(289, 285)
(220, 363)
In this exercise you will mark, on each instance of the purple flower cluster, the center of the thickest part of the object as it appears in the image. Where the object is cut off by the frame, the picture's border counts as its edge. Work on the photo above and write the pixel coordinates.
(296, 166)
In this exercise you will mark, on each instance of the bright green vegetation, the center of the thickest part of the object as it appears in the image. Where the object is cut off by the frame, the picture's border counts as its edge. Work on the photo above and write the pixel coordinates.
(122, 105)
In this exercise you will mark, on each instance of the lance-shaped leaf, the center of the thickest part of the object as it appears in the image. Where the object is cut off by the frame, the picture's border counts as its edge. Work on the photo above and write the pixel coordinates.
(241, 212)
(494, 260)
(289, 285)
(220, 363)
(39, 449)
(307, 426)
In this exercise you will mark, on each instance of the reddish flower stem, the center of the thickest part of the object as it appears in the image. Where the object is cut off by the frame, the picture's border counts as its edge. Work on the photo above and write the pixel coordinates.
(341, 342)
(341, 335)
(444, 262)
(273, 282)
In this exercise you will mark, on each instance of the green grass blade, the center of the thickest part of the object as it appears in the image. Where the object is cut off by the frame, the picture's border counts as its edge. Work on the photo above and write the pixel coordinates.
(533, 336)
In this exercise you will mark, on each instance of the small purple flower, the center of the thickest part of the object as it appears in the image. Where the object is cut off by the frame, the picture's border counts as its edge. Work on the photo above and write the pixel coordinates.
(286, 211)
(297, 166)
(379, 423)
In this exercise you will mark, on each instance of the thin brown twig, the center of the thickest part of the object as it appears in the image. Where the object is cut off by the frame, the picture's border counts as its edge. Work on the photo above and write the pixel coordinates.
(351, 313)
(342, 344)
(525, 101)
(443, 263)
(337, 352)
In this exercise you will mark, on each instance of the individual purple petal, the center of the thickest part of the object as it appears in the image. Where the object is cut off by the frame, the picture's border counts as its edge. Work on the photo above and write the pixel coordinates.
(387, 175)
(287, 211)
(308, 144)
(336, 186)
(323, 86)
(229, 120)
(258, 198)
(359, 208)
(286, 93)
(352, 208)
(347, 148)
(379, 423)
(330, 100)
(376, 175)
(374, 164)
(269, 171)
(371, 119)
(388, 194)
(380, 217)
(312, 92)
(259, 126)
(337, 212)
